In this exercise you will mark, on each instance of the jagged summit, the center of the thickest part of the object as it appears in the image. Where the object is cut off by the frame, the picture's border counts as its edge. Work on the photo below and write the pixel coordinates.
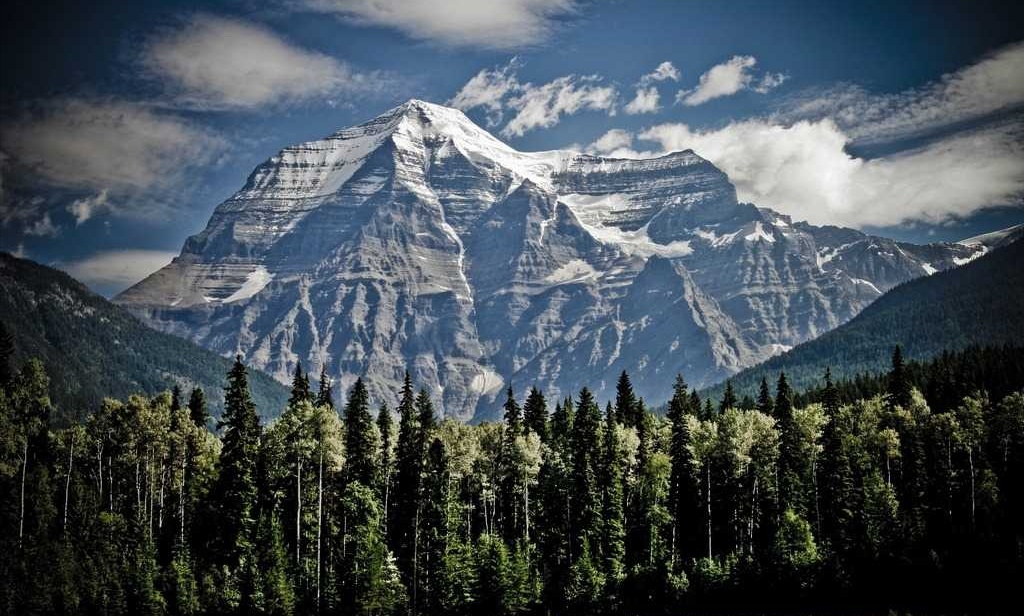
(418, 241)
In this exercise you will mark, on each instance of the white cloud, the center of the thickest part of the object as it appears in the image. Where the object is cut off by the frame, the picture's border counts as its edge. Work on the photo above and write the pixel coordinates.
(85, 208)
(543, 106)
(804, 170)
(728, 78)
(488, 89)
(108, 145)
(666, 70)
(217, 62)
(497, 24)
(534, 106)
(110, 272)
(993, 84)
(43, 227)
(645, 101)
(614, 140)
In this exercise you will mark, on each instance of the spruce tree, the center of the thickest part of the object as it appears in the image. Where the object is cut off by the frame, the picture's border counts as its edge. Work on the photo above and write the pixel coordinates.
(613, 546)
(434, 525)
(684, 494)
(325, 393)
(197, 408)
(561, 424)
(586, 505)
(385, 465)
(234, 497)
(513, 415)
(360, 444)
(793, 463)
(300, 387)
(899, 382)
(175, 398)
(696, 407)
(765, 403)
(625, 401)
(535, 414)
(408, 461)
(728, 398)
(509, 472)
(829, 395)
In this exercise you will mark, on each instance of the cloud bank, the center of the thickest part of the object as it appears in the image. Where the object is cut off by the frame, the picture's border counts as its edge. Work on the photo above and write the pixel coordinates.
(110, 272)
(804, 170)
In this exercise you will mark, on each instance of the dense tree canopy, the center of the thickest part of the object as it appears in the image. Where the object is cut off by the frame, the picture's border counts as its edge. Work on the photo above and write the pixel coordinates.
(909, 498)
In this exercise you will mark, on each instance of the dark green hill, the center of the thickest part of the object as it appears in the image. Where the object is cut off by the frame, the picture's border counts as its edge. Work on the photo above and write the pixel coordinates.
(93, 349)
(980, 304)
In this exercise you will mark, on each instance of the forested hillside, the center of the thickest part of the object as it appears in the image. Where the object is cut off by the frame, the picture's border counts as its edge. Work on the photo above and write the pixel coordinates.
(93, 349)
(878, 505)
(980, 303)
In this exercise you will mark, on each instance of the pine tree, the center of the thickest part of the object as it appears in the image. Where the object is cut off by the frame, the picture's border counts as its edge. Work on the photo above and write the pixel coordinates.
(434, 530)
(197, 408)
(360, 444)
(696, 407)
(175, 398)
(793, 465)
(899, 383)
(234, 496)
(386, 463)
(300, 387)
(765, 403)
(535, 414)
(613, 546)
(728, 398)
(325, 393)
(586, 506)
(625, 402)
(561, 424)
(509, 472)
(408, 461)
(684, 494)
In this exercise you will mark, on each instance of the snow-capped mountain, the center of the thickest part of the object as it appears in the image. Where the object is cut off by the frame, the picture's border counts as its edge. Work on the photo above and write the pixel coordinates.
(419, 241)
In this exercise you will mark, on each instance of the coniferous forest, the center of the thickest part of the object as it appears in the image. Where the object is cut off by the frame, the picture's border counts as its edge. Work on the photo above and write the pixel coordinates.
(910, 499)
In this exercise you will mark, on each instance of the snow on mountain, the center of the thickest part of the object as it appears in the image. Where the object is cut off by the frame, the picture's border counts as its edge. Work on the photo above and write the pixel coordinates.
(417, 241)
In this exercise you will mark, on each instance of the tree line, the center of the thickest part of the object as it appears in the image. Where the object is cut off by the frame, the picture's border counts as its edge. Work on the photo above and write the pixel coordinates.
(866, 504)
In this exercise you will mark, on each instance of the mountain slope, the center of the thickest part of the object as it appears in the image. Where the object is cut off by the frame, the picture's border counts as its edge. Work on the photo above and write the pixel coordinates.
(980, 303)
(93, 349)
(417, 241)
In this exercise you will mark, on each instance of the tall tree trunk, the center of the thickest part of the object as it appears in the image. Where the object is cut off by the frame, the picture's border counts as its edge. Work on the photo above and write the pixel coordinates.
(181, 500)
(970, 461)
(21, 513)
(298, 513)
(707, 473)
(319, 523)
(67, 483)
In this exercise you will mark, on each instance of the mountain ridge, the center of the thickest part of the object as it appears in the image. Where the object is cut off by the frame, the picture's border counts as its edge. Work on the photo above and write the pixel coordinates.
(417, 241)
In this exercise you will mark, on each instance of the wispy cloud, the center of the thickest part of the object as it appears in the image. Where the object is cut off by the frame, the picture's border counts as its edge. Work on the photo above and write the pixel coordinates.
(217, 62)
(647, 98)
(993, 84)
(499, 90)
(110, 272)
(494, 24)
(108, 145)
(728, 78)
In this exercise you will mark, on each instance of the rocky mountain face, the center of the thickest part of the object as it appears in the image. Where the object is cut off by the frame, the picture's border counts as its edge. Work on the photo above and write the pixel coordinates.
(419, 242)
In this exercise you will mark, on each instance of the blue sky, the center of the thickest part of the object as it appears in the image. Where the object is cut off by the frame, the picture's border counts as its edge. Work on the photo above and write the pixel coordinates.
(124, 124)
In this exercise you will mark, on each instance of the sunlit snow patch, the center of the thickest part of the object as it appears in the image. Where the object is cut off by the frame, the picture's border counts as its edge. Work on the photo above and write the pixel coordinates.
(253, 284)
(595, 214)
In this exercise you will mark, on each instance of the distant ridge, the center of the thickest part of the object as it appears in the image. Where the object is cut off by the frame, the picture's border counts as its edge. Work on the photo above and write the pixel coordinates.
(980, 303)
(94, 349)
